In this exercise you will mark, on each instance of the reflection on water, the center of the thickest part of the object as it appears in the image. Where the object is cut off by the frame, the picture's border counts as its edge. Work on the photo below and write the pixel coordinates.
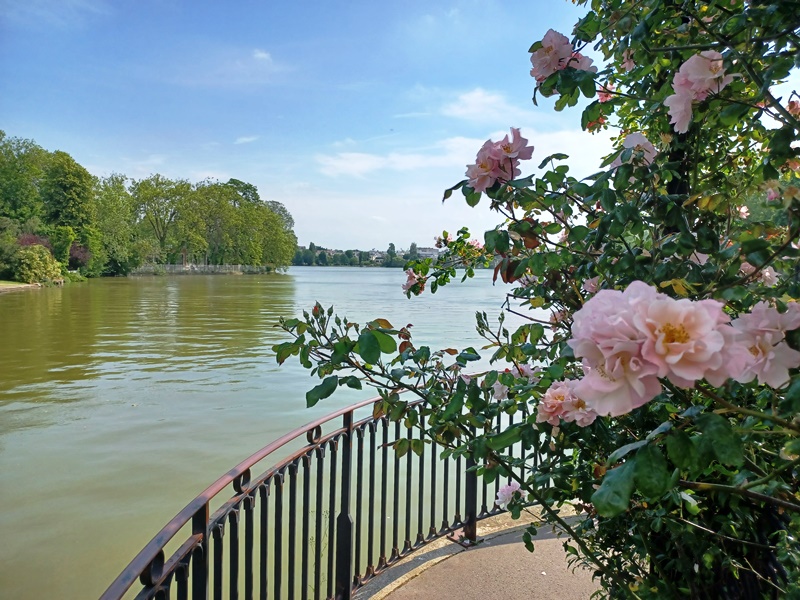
(121, 399)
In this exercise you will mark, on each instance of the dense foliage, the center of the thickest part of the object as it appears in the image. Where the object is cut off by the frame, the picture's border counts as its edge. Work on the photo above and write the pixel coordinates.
(662, 391)
(111, 225)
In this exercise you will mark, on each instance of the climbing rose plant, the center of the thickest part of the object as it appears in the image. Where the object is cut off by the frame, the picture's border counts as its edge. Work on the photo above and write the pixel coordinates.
(658, 370)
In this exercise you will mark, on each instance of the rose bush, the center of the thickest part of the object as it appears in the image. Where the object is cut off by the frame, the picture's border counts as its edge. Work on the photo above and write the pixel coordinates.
(662, 396)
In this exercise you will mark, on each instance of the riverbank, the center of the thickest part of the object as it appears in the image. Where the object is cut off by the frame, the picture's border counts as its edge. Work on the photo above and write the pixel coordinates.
(13, 286)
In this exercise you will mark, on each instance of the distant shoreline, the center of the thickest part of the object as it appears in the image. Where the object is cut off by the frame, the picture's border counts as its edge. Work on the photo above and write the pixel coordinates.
(13, 286)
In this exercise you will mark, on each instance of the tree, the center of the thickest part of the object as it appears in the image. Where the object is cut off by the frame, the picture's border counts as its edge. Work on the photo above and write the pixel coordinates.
(68, 192)
(660, 394)
(413, 253)
(157, 200)
(116, 223)
(322, 258)
(21, 173)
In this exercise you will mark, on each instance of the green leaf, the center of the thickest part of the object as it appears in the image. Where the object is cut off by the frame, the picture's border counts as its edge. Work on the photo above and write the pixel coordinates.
(351, 382)
(614, 494)
(620, 452)
(650, 472)
(725, 443)
(504, 439)
(323, 390)
(386, 342)
(681, 450)
(401, 447)
(417, 447)
(368, 347)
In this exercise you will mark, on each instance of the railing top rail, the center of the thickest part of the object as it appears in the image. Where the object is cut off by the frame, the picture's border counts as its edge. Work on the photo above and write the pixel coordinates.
(146, 556)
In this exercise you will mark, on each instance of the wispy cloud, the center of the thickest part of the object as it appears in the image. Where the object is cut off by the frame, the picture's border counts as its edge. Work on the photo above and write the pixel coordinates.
(453, 154)
(246, 139)
(483, 106)
(446, 153)
(229, 67)
(58, 13)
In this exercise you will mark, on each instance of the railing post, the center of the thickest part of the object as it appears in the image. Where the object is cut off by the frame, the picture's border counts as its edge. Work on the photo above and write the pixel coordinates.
(200, 563)
(344, 522)
(471, 502)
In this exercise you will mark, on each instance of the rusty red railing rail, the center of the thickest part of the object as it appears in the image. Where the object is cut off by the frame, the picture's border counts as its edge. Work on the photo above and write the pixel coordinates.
(355, 498)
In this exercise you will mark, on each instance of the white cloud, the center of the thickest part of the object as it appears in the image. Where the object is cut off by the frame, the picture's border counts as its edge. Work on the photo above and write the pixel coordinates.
(482, 106)
(246, 139)
(227, 68)
(451, 152)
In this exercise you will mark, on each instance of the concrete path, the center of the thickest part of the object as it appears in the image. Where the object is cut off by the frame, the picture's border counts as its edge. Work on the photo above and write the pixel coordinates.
(499, 567)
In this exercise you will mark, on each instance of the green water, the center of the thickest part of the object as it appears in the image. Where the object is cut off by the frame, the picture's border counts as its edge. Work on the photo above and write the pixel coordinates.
(121, 399)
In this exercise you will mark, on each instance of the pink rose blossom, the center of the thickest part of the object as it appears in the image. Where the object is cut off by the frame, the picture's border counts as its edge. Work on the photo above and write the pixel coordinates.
(697, 77)
(558, 316)
(627, 60)
(768, 277)
(683, 337)
(551, 405)
(617, 379)
(604, 94)
(411, 281)
(639, 143)
(773, 194)
(701, 74)
(498, 161)
(680, 111)
(575, 410)
(744, 212)
(486, 170)
(762, 332)
(516, 148)
(579, 62)
(590, 285)
(794, 108)
(556, 50)
(506, 494)
(747, 269)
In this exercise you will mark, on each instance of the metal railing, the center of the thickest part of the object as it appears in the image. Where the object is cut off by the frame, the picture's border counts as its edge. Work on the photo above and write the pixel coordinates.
(325, 520)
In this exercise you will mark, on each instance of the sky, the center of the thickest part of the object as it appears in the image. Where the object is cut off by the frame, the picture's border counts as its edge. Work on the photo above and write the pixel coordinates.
(355, 115)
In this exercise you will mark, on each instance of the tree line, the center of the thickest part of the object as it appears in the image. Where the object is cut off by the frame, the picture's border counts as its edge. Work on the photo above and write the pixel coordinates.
(322, 257)
(57, 218)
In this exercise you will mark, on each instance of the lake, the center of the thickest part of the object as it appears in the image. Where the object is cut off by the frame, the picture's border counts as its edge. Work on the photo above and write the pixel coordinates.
(121, 399)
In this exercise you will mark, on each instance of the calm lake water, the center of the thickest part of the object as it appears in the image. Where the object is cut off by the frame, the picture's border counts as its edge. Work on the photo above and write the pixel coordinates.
(121, 399)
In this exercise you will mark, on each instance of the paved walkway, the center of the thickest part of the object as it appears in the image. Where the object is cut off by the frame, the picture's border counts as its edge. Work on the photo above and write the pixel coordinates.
(499, 567)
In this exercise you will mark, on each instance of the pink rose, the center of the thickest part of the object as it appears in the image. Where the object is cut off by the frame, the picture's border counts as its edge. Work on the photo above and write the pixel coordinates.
(411, 281)
(683, 337)
(744, 212)
(590, 285)
(506, 494)
(639, 143)
(516, 148)
(579, 62)
(604, 94)
(627, 60)
(551, 405)
(556, 50)
(617, 378)
(680, 110)
(762, 332)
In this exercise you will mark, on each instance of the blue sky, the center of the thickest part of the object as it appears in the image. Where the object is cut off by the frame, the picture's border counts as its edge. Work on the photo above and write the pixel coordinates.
(356, 115)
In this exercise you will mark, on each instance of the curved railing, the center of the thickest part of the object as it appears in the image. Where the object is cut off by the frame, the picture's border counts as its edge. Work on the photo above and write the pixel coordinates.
(338, 510)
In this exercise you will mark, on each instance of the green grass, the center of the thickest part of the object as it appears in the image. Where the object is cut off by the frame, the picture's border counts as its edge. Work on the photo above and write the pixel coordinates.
(11, 283)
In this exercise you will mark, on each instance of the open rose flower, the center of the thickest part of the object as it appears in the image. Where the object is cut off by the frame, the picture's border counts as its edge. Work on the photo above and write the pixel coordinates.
(506, 494)
(762, 332)
(699, 76)
(498, 161)
(556, 50)
(639, 144)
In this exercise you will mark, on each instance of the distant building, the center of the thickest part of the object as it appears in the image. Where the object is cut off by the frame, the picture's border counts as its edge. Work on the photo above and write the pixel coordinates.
(428, 252)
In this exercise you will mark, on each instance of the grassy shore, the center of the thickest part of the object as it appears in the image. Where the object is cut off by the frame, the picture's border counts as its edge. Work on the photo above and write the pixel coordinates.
(11, 286)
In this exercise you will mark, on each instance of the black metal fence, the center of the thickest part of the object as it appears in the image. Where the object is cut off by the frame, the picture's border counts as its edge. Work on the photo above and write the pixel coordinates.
(338, 510)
